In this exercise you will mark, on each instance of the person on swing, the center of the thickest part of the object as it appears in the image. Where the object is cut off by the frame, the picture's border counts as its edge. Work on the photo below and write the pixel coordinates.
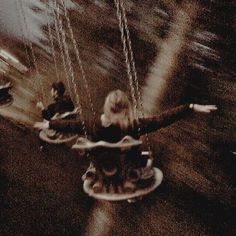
(61, 102)
(116, 122)
(118, 119)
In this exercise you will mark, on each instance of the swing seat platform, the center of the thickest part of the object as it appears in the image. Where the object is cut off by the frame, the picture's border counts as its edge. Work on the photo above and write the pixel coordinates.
(126, 142)
(51, 136)
(122, 196)
(54, 137)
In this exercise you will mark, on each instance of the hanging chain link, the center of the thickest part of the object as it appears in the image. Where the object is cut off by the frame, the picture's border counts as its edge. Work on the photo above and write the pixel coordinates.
(78, 103)
(43, 98)
(140, 103)
(68, 62)
(125, 51)
(77, 53)
(51, 40)
(23, 37)
(121, 13)
(130, 50)
(56, 10)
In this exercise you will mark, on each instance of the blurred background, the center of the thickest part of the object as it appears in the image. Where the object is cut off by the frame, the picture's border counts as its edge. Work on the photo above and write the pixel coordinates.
(183, 51)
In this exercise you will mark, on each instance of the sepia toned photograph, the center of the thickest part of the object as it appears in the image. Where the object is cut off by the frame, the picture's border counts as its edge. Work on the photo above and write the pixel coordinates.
(118, 117)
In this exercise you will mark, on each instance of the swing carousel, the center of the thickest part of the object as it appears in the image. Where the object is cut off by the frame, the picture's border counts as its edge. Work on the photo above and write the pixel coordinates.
(119, 163)
(111, 185)
(127, 183)
(113, 177)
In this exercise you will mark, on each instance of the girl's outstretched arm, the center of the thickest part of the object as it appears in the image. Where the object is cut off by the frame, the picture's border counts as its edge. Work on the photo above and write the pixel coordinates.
(203, 108)
(65, 126)
(154, 123)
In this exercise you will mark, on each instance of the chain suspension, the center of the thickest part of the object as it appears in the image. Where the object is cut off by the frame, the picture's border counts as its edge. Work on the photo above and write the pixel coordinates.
(23, 37)
(125, 51)
(77, 53)
(55, 10)
(121, 13)
(130, 50)
(78, 103)
(52, 46)
(33, 54)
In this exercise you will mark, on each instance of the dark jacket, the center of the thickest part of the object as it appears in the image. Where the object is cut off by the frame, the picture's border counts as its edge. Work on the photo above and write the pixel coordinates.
(113, 133)
(61, 105)
(4, 92)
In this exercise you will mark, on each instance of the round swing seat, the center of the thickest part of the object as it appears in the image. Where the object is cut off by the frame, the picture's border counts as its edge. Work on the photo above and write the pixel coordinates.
(121, 195)
(53, 137)
(116, 172)
(125, 143)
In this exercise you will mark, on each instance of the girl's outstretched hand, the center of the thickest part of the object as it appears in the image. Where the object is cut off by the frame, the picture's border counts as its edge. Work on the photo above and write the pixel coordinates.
(41, 125)
(40, 105)
(203, 108)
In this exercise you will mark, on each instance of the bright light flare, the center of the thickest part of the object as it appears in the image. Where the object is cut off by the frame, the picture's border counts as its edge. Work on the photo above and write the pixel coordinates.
(4, 54)
(9, 60)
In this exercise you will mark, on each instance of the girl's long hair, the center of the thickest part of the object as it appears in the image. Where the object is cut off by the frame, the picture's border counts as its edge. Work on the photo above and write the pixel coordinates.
(118, 110)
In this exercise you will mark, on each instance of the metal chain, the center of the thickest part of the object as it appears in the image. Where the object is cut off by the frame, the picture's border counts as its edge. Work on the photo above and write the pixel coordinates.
(133, 67)
(72, 76)
(23, 37)
(32, 51)
(77, 53)
(55, 9)
(64, 47)
(52, 46)
(125, 51)
(32, 83)
(120, 4)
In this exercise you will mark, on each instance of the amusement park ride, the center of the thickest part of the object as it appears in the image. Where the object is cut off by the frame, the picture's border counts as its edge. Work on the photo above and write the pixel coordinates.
(112, 176)
(76, 170)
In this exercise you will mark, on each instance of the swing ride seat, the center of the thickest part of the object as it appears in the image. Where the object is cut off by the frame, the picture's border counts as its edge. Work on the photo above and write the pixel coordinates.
(116, 183)
(54, 137)
(121, 196)
(126, 142)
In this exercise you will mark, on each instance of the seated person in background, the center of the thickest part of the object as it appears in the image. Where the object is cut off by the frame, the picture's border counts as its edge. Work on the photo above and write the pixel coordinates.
(61, 102)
